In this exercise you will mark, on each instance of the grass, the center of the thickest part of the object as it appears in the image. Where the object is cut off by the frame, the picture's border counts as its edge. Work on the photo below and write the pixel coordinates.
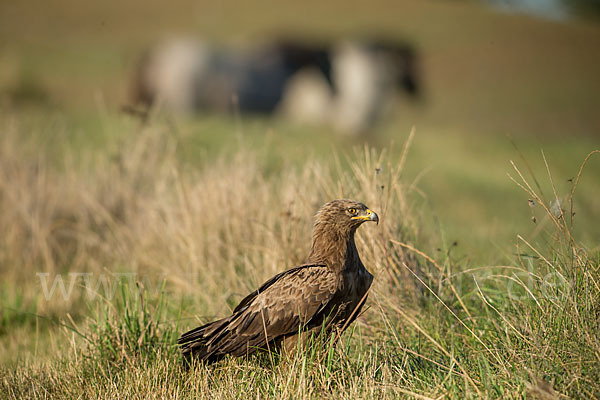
(151, 244)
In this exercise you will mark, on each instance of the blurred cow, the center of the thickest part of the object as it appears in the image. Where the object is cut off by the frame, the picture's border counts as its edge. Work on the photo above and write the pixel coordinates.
(346, 84)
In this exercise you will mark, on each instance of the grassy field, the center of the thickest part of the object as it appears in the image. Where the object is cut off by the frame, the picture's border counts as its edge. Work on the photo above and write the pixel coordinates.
(109, 255)
(117, 236)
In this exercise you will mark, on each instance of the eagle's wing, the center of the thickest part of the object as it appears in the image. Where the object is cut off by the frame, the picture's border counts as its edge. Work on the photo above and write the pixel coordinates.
(248, 299)
(280, 307)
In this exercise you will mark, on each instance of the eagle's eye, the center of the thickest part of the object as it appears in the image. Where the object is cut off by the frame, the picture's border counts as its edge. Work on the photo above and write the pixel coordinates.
(352, 211)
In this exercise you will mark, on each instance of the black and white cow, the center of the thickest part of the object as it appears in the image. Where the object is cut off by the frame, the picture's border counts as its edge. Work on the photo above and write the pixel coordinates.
(347, 84)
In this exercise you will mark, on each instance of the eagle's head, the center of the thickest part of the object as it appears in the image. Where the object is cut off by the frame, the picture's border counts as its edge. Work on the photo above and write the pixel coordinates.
(335, 224)
(344, 215)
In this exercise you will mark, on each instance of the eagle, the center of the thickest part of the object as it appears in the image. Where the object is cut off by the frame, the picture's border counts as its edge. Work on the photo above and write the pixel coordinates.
(324, 295)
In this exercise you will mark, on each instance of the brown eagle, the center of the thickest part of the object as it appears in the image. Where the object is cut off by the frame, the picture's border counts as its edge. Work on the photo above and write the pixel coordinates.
(326, 293)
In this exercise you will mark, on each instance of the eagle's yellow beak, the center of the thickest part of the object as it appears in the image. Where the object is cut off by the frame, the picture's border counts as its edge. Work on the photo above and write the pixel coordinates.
(368, 216)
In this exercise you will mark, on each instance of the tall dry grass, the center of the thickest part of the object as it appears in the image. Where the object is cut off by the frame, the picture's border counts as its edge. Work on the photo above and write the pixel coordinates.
(213, 233)
(136, 220)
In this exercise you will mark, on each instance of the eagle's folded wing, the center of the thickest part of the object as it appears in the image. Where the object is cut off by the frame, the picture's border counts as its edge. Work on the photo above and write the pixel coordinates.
(282, 306)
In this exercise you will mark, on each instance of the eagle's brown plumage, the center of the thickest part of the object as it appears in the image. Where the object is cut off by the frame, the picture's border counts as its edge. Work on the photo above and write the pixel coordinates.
(325, 293)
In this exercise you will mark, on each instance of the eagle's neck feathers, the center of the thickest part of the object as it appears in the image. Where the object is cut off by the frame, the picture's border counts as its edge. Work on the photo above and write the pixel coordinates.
(334, 246)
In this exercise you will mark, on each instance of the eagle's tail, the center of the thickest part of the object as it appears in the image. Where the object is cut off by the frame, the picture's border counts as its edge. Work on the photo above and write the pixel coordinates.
(200, 343)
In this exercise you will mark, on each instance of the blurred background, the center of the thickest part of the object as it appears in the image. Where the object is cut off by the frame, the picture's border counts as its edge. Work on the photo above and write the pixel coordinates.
(483, 82)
